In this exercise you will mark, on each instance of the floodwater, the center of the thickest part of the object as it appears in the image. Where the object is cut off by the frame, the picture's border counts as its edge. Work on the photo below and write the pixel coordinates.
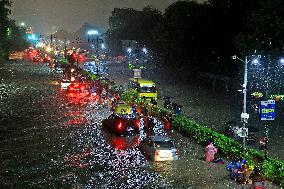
(49, 139)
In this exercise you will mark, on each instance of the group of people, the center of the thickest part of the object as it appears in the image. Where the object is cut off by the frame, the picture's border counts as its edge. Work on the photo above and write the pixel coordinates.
(240, 173)
(238, 168)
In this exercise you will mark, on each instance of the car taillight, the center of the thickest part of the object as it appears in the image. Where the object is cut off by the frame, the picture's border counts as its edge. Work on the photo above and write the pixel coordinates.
(137, 123)
(177, 152)
(156, 153)
(71, 88)
(120, 125)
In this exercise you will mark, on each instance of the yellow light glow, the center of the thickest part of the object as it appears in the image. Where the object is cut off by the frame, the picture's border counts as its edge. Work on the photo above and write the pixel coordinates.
(48, 49)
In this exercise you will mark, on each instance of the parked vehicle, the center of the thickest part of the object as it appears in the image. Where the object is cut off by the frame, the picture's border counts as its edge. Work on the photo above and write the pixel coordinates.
(168, 104)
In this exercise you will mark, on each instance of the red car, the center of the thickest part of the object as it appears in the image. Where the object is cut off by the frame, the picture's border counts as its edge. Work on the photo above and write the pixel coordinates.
(37, 58)
(47, 58)
(76, 87)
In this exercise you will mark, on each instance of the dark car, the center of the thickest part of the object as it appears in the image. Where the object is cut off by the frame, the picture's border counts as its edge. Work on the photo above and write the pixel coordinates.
(121, 125)
(122, 142)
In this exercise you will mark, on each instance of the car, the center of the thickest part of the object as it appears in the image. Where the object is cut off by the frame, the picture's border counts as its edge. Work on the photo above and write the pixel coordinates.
(37, 58)
(64, 83)
(123, 108)
(16, 55)
(121, 125)
(121, 142)
(159, 148)
(76, 87)
(58, 70)
(47, 59)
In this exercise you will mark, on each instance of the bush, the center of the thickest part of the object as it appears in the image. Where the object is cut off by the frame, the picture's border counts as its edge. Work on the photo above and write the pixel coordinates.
(272, 169)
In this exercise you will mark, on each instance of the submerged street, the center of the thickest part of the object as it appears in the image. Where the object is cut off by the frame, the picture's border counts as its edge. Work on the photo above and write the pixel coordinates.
(141, 94)
(52, 140)
(49, 140)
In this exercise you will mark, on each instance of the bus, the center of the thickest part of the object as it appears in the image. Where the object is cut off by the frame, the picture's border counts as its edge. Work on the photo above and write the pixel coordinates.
(145, 88)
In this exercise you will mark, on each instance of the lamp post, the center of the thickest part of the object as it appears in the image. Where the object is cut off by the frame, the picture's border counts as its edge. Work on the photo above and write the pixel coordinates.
(244, 115)
(91, 41)
(129, 51)
(22, 24)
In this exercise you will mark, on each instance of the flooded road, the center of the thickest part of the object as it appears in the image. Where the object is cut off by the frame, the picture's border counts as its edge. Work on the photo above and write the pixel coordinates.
(49, 139)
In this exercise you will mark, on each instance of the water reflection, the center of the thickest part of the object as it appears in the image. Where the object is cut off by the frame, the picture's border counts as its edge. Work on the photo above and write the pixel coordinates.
(42, 148)
(165, 168)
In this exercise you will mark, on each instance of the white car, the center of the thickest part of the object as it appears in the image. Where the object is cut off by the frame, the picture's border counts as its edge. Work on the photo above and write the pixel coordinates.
(159, 148)
(64, 83)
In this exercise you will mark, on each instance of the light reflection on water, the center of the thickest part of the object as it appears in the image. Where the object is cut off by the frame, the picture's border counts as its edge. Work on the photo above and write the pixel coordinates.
(52, 140)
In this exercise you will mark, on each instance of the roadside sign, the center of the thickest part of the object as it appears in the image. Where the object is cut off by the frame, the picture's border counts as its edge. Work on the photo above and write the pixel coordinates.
(137, 73)
(267, 110)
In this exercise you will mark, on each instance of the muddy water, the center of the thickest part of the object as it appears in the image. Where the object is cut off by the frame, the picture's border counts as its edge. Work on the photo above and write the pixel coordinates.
(51, 140)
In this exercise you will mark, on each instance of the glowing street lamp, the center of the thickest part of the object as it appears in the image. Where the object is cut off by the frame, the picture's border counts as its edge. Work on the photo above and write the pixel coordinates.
(93, 32)
(255, 62)
(281, 62)
(40, 44)
(48, 49)
(144, 50)
(129, 50)
(22, 24)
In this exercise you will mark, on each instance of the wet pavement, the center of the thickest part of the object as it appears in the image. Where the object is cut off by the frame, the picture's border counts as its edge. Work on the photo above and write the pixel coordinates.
(51, 140)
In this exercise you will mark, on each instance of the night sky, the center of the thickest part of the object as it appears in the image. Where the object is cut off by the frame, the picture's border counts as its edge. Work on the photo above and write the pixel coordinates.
(50, 15)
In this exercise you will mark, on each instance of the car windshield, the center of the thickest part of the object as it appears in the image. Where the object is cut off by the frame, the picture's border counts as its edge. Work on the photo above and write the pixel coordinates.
(164, 144)
(147, 89)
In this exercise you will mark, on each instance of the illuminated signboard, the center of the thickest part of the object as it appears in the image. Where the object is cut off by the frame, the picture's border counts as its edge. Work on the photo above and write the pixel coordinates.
(267, 110)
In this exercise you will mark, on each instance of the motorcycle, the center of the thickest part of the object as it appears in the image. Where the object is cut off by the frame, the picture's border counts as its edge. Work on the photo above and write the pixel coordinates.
(177, 109)
(168, 104)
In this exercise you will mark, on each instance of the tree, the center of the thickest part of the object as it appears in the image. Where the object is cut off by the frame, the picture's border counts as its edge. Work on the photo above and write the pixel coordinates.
(11, 36)
(4, 30)
(264, 28)
(130, 24)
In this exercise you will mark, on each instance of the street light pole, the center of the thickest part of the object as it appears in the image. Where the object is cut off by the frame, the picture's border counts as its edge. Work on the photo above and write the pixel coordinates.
(244, 114)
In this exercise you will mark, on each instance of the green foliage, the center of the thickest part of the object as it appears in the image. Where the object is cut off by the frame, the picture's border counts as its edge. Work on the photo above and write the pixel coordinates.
(271, 168)
(62, 60)
(11, 36)
(130, 96)
(91, 76)
(128, 24)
